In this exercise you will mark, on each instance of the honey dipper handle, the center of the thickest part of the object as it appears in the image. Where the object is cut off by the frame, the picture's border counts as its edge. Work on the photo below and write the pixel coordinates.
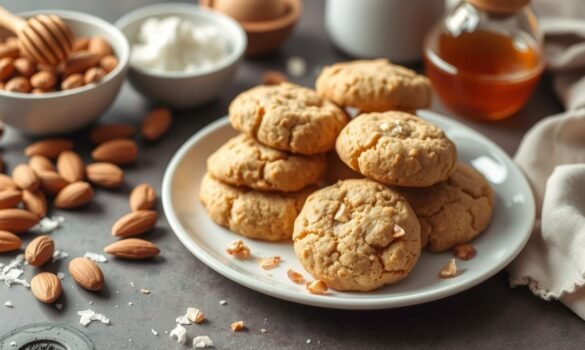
(10, 21)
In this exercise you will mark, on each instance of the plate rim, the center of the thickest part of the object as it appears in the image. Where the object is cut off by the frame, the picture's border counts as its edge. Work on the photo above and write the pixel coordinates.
(383, 302)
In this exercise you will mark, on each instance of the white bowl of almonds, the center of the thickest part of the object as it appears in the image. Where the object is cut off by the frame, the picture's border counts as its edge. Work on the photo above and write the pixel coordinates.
(44, 100)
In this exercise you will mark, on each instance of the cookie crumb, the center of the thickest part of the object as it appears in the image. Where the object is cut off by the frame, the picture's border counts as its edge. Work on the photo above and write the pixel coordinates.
(13, 344)
(398, 231)
(60, 275)
(273, 77)
(269, 263)
(8, 303)
(180, 333)
(222, 302)
(263, 330)
(130, 303)
(60, 255)
(194, 315)
(155, 333)
(99, 258)
(144, 291)
(201, 342)
(317, 287)
(86, 316)
(132, 284)
(308, 341)
(464, 251)
(295, 276)
(237, 326)
(238, 249)
(449, 270)
(182, 320)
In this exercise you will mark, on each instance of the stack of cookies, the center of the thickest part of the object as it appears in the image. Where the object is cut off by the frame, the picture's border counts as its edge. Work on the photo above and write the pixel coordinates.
(258, 181)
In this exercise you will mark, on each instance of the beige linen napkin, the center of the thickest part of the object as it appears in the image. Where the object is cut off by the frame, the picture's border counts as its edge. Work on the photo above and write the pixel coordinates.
(552, 156)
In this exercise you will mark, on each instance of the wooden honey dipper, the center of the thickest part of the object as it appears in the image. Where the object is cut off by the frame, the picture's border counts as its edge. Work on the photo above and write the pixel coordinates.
(45, 39)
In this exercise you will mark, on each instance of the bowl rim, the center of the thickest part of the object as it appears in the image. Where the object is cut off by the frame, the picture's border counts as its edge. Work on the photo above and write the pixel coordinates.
(167, 9)
(123, 56)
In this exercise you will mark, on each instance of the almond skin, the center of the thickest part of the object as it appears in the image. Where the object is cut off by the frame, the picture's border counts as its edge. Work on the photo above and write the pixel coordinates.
(118, 151)
(70, 166)
(17, 220)
(156, 124)
(25, 178)
(46, 287)
(6, 183)
(9, 242)
(39, 250)
(143, 197)
(74, 195)
(10, 198)
(50, 148)
(108, 132)
(133, 249)
(106, 175)
(86, 273)
(40, 163)
(35, 202)
(135, 223)
(51, 182)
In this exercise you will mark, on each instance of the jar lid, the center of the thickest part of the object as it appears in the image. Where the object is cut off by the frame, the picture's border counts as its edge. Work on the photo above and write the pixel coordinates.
(499, 6)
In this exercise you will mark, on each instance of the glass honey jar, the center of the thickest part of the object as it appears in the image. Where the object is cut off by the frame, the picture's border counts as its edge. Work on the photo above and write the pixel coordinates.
(485, 58)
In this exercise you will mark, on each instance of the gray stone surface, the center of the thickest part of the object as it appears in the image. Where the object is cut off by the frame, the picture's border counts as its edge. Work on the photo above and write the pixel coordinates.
(489, 316)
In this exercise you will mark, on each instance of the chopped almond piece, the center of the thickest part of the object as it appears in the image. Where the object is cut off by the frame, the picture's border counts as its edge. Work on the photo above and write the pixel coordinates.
(398, 231)
(295, 276)
(269, 263)
(195, 315)
(238, 249)
(464, 251)
(449, 270)
(237, 326)
(317, 287)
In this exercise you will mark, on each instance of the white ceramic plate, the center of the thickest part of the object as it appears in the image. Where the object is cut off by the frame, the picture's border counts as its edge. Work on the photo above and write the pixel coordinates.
(508, 232)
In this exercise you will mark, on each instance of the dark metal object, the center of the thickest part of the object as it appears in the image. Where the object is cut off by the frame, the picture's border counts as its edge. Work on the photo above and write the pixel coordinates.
(45, 336)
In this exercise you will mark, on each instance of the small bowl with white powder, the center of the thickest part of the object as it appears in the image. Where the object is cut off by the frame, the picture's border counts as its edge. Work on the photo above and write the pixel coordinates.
(182, 55)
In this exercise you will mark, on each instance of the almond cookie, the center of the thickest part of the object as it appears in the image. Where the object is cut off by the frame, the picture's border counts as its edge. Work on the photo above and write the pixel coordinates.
(288, 117)
(242, 161)
(268, 216)
(397, 148)
(357, 235)
(374, 86)
(454, 211)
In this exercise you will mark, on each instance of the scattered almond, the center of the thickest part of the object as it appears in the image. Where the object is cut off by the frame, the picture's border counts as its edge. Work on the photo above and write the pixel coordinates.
(156, 124)
(464, 251)
(295, 276)
(46, 287)
(449, 270)
(273, 77)
(25, 178)
(106, 175)
(9, 242)
(74, 195)
(10, 198)
(237, 326)
(17, 220)
(50, 148)
(86, 273)
(108, 132)
(238, 249)
(35, 202)
(133, 249)
(51, 182)
(269, 263)
(119, 152)
(70, 166)
(135, 223)
(40, 163)
(142, 197)
(39, 250)
(317, 287)
(6, 183)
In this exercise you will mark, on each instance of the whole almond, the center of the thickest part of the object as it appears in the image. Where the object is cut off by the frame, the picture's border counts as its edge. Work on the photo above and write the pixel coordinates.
(46, 287)
(9, 242)
(35, 202)
(108, 63)
(79, 62)
(43, 80)
(106, 175)
(50, 148)
(119, 152)
(93, 75)
(51, 182)
(25, 178)
(24, 67)
(99, 45)
(40, 163)
(39, 250)
(108, 132)
(17, 220)
(6, 68)
(10, 198)
(6, 183)
(133, 249)
(8, 51)
(156, 124)
(18, 84)
(142, 197)
(80, 44)
(86, 273)
(74, 195)
(135, 223)
(70, 166)
(73, 81)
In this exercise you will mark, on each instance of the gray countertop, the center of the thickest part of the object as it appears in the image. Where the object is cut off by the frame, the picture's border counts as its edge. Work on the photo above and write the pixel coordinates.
(491, 315)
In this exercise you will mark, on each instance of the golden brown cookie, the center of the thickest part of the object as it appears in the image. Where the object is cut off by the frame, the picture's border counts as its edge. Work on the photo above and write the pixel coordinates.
(454, 211)
(357, 235)
(242, 161)
(397, 148)
(268, 216)
(374, 86)
(288, 117)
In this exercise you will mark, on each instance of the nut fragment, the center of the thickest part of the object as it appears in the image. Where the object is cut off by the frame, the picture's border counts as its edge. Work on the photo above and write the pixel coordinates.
(25, 178)
(86, 273)
(449, 270)
(238, 249)
(39, 250)
(46, 287)
(398, 231)
(18, 84)
(71, 82)
(143, 197)
(237, 326)
(317, 287)
(464, 251)
(194, 315)
(295, 276)
(269, 263)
